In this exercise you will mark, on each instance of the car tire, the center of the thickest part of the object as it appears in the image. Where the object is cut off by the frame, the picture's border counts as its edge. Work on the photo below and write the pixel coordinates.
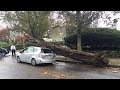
(33, 62)
(18, 59)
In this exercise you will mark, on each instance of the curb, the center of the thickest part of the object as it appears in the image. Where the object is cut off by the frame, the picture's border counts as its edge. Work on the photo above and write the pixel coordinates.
(78, 62)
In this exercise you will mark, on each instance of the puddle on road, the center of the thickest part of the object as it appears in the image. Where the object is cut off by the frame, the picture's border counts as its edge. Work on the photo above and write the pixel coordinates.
(70, 67)
(62, 66)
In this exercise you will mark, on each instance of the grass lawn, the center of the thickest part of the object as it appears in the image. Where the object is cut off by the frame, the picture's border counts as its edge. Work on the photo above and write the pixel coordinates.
(114, 61)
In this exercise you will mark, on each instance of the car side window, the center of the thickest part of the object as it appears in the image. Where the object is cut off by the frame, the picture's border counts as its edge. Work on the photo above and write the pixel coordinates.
(46, 50)
(30, 50)
(35, 49)
(24, 50)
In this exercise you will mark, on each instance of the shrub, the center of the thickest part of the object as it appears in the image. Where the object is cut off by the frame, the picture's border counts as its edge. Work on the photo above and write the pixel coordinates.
(19, 46)
(4, 44)
(96, 40)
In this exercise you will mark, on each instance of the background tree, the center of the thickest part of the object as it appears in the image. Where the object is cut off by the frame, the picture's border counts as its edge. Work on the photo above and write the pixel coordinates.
(34, 23)
(96, 39)
(77, 21)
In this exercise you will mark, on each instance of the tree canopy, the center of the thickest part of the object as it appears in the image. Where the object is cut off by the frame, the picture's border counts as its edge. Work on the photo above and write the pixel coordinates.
(34, 23)
(77, 21)
(37, 23)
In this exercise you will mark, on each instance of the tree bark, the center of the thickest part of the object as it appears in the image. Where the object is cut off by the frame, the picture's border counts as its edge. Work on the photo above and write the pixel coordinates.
(79, 46)
(97, 59)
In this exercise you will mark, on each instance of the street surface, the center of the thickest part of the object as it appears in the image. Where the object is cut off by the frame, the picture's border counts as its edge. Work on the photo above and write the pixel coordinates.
(10, 69)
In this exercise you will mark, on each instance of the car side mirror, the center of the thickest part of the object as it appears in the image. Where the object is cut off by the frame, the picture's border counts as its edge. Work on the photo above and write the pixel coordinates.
(21, 51)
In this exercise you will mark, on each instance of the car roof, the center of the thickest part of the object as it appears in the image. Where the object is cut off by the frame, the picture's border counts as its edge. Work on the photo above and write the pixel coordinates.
(38, 47)
(33, 47)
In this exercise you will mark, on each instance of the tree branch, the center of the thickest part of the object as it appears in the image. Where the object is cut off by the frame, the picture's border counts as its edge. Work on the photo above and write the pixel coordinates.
(19, 17)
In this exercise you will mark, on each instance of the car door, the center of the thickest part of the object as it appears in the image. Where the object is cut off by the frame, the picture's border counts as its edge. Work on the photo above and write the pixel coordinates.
(23, 55)
(29, 54)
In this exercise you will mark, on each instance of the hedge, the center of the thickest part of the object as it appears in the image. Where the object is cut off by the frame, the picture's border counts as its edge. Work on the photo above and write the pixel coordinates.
(6, 45)
(96, 40)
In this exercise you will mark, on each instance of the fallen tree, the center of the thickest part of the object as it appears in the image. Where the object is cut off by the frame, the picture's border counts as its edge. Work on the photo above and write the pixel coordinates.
(97, 59)
(39, 23)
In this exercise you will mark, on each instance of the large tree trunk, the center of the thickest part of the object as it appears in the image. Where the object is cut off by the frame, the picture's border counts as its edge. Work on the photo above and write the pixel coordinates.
(98, 59)
(79, 46)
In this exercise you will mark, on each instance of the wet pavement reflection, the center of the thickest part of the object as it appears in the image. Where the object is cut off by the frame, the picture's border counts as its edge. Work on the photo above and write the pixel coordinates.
(10, 69)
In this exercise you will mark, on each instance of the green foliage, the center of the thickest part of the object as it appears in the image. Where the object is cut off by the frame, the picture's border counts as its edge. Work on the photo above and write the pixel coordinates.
(96, 39)
(76, 21)
(13, 42)
(113, 54)
(4, 44)
(34, 23)
(19, 46)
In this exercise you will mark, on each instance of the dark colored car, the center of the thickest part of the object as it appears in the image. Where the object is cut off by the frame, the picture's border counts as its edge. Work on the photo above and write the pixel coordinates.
(5, 51)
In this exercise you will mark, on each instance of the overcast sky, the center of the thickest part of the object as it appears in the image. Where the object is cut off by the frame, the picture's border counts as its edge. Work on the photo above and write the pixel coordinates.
(101, 24)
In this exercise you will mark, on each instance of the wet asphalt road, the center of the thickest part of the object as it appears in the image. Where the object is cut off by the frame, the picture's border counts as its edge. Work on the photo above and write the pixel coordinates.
(10, 69)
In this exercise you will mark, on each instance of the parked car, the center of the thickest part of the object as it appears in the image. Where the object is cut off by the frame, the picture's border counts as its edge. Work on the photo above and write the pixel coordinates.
(5, 51)
(36, 55)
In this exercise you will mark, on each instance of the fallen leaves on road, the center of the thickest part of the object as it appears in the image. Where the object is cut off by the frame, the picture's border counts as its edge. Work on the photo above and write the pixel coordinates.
(45, 73)
(57, 75)
(114, 70)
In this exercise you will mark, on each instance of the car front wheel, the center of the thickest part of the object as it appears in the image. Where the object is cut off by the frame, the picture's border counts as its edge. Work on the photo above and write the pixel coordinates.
(18, 59)
(33, 62)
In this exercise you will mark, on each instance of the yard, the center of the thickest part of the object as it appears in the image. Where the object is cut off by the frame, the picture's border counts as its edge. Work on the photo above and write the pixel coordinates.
(114, 61)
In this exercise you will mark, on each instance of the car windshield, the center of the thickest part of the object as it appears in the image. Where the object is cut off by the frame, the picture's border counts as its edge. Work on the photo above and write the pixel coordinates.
(46, 51)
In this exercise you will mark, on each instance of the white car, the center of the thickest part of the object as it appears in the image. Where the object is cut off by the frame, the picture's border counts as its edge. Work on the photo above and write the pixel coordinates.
(36, 55)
